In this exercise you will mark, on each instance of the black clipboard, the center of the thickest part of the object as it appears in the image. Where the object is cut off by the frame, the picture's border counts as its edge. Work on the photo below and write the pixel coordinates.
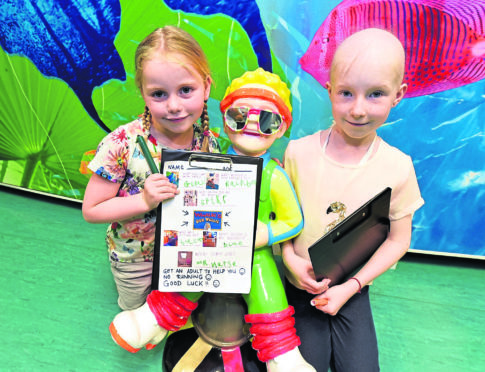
(224, 164)
(349, 245)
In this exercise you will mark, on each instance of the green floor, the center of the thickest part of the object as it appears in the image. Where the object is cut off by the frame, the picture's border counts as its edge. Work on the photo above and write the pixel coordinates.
(58, 298)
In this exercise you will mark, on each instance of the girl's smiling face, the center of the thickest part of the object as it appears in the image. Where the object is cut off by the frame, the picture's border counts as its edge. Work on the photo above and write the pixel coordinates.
(366, 82)
(174, 94)
(362, 96)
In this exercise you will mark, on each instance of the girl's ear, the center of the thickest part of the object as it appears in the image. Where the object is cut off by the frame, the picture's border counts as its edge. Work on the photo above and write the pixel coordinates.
(400, 94)
(207, 90)
(328, 86)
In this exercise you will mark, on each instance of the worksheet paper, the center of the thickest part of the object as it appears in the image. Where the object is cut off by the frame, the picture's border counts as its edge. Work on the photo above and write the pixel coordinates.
(205, 235)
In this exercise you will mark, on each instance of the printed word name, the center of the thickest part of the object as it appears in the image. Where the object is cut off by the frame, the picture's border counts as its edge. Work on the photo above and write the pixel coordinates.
(175, 167)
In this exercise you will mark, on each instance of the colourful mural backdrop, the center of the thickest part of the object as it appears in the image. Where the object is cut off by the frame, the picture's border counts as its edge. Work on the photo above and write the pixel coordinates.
(66, 79)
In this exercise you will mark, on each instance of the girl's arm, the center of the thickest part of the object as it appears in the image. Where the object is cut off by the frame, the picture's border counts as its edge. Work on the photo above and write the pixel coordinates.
(393, 248)
(101, 205)
(299, 271)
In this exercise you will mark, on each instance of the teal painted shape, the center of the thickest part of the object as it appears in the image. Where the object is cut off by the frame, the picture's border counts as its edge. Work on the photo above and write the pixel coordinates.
(58, 298)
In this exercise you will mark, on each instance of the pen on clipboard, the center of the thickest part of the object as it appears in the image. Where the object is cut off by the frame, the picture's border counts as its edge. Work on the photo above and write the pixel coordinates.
(146, 153)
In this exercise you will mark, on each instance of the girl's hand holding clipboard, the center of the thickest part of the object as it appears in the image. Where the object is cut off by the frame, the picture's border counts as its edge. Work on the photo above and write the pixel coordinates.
(158, 188)
(300, 272)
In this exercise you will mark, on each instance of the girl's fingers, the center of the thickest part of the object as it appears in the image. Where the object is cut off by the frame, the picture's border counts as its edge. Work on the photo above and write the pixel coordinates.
(319, 302)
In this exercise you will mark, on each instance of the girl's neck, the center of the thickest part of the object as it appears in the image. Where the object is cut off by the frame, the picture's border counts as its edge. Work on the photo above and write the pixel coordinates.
(346, 150)
(175, 141)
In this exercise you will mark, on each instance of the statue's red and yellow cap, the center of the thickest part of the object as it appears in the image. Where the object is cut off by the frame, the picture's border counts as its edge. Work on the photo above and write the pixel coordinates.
(262, 85)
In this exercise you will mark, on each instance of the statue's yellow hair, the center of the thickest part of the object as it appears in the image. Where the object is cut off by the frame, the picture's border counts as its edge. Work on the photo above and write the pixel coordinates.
(260, 76)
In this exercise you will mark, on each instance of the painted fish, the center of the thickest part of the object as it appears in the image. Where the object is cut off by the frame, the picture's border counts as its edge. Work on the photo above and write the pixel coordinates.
(246, 12)
(444, 40)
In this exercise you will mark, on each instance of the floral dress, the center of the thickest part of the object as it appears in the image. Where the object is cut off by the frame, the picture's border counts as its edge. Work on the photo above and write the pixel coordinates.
(119, 159)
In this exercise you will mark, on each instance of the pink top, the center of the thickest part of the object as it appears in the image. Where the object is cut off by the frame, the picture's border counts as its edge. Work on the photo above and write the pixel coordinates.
(320, 181)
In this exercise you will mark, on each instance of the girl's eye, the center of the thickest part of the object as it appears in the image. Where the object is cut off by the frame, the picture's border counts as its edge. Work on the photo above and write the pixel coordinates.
(186, 90)
(158, 94)
(377, 94)
(346, 93)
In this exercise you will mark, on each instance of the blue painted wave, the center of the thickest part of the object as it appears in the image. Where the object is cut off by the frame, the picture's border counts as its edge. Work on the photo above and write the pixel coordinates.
(70, 41)
(246, 12)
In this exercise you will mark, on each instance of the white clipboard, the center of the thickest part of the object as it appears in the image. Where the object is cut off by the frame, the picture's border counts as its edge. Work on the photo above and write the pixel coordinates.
(205, 235)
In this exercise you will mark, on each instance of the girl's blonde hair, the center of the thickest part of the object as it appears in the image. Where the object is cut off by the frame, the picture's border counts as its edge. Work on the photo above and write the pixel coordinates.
(174, 40)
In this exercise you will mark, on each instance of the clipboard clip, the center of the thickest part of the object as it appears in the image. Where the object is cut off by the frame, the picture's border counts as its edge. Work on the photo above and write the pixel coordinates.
(212, 162)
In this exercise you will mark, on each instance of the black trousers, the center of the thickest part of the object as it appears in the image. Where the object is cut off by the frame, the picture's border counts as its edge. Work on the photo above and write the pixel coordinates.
(345, 342)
